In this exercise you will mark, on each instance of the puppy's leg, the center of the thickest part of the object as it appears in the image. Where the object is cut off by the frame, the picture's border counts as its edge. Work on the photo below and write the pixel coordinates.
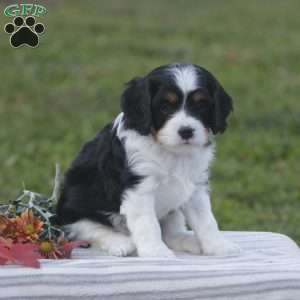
(176, 235)
(200, 218)
(102, 237)
(142, 222)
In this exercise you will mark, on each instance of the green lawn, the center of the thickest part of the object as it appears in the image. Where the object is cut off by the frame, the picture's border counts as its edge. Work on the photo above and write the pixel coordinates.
(55, 97)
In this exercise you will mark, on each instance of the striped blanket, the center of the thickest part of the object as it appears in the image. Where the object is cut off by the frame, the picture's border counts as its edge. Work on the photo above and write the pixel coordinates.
(268, 268)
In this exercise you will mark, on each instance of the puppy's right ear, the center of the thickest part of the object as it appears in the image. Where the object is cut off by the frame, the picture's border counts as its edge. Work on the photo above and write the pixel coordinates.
(136, 106)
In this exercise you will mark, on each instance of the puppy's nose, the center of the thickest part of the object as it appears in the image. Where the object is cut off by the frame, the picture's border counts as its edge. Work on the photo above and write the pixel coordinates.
(186, 132)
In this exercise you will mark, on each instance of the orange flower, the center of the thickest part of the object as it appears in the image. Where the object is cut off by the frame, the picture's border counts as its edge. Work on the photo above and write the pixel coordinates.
(27, 227)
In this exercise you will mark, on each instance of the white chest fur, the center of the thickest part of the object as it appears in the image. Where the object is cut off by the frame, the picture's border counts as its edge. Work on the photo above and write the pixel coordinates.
(171, 176)
(173, 190)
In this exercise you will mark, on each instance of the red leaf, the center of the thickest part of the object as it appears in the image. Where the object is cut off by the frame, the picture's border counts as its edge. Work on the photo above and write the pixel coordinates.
(23, 254)
(26, 254)
(5, 254)
(69, 246)
(3, 261)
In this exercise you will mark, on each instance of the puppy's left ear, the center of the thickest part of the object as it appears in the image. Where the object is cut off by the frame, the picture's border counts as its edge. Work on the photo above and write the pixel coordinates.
(221, 108)
(136, 105)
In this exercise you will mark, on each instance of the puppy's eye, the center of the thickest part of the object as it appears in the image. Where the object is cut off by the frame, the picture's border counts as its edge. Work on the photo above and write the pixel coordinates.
(171, 98)
(198, 97)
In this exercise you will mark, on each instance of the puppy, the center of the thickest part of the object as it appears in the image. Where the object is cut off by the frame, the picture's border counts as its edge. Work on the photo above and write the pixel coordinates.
(136, 185)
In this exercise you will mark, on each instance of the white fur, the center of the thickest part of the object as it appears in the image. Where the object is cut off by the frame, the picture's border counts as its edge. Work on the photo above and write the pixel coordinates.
(167, 174)
(173, 180)
(118, 122)
(102, 237)
(185, 77)
(176, 235)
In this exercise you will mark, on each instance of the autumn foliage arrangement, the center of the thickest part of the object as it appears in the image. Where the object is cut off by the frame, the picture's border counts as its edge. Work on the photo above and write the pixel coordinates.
(28, 231)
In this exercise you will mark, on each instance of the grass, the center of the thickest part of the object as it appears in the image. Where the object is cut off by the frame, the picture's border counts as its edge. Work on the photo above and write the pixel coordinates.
(55, 97)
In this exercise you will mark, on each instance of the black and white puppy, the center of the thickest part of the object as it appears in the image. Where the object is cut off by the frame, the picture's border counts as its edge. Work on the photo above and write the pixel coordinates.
(136, 185)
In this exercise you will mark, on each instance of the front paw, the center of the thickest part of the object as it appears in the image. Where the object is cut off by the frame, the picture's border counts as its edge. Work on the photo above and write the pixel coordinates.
(118, 245)
(156, 251)
(183, 242)
(220, 247)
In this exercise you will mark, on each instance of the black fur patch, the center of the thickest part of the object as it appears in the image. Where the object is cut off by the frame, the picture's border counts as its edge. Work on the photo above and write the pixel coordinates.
(94, 183)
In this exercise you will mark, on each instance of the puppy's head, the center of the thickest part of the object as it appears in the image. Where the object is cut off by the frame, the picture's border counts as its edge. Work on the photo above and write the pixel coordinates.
(180, 104)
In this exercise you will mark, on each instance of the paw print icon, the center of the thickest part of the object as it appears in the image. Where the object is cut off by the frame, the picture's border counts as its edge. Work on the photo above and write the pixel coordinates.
(24, 32)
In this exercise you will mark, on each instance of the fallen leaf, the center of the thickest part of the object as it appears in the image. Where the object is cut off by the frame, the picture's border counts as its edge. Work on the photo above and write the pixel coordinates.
(23, 254)
(26, 254)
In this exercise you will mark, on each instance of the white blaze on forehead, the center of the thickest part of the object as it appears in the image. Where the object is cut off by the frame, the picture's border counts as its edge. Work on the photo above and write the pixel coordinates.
(186, 78)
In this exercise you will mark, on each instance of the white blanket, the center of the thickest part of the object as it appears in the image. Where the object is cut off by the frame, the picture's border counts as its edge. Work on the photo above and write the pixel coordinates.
(268, 268)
